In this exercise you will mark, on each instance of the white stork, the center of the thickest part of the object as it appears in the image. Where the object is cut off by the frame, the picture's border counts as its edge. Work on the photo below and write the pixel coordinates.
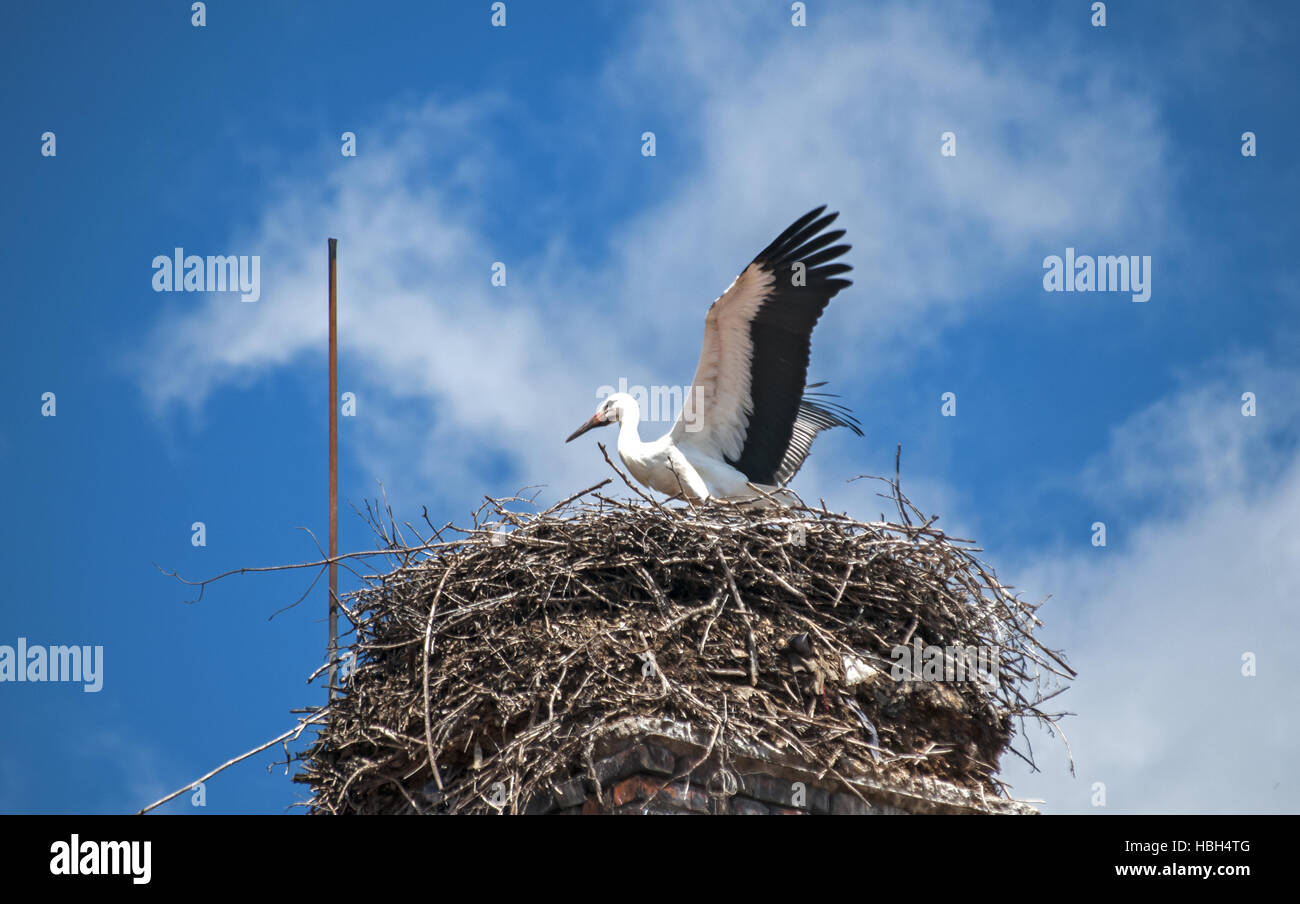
(748, 421)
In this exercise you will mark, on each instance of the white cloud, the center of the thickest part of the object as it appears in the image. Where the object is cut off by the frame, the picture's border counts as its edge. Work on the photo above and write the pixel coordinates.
(1196, 444)
(1158, 622)
(757, 122)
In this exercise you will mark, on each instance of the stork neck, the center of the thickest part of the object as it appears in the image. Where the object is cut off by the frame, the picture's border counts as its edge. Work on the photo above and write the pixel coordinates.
(629, 436)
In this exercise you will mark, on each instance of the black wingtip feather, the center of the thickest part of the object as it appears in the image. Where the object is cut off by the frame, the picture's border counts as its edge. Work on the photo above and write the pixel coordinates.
(785, 419)
(839, 415)
(795, 227)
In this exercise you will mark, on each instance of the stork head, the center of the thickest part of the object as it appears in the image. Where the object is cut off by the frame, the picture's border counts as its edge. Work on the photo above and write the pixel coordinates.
(615, 407)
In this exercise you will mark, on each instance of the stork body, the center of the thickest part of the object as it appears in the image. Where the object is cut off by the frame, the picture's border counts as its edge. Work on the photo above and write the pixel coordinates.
(748, 420)
(672, 467)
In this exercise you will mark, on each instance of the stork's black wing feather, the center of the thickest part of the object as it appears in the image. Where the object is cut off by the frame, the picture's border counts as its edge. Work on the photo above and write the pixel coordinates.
(785, 420)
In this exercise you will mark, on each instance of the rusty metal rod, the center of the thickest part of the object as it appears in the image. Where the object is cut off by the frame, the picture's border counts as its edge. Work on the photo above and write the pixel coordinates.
(334, 472)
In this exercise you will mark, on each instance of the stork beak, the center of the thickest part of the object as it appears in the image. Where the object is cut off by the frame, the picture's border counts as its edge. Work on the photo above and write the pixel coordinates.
(596, 421)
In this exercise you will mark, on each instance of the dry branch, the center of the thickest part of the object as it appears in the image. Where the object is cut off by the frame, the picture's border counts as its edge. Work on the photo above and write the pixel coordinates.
(502, 656)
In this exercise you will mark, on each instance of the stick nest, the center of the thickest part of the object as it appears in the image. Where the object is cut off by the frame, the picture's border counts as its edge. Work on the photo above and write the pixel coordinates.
(485, 668)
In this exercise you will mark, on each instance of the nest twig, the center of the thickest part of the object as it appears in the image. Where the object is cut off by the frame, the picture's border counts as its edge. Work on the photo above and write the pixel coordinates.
(485, 665)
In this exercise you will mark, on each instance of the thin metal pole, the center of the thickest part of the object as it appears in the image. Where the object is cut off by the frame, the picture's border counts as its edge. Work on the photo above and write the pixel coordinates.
(334, 471)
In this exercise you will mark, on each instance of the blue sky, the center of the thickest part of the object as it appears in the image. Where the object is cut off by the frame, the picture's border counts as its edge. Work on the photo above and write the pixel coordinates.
(523, 145)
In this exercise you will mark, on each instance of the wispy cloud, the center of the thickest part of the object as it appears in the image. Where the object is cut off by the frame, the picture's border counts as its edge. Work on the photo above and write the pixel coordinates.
(756, 122)
(1157, 623)
(1196, 444)
(775, 120)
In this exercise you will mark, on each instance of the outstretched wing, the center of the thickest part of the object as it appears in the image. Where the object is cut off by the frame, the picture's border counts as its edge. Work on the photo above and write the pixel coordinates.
(747, 401)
